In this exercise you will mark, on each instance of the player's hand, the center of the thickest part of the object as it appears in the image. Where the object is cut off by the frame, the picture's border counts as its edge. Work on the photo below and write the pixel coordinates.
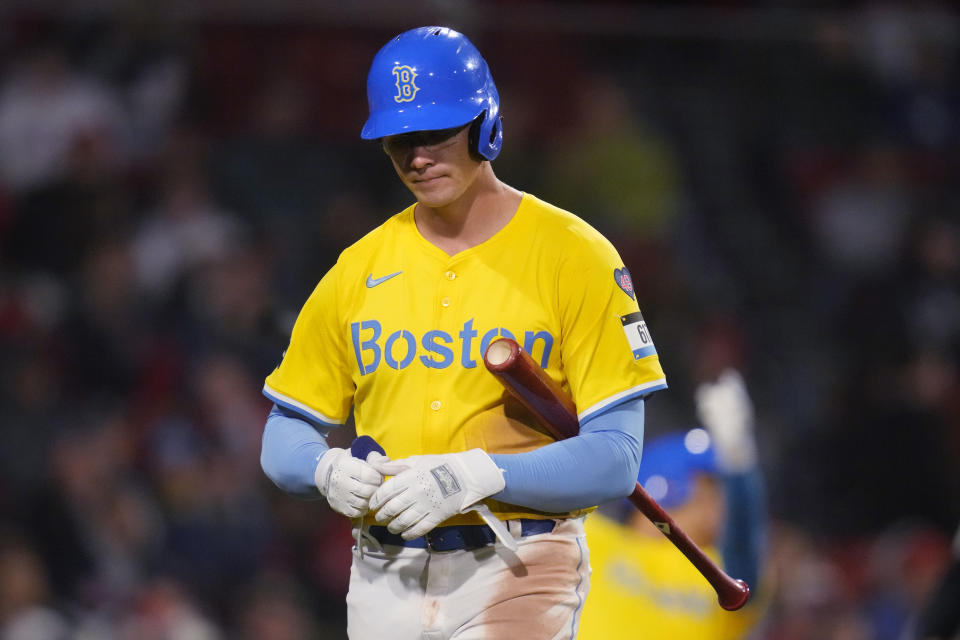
(726, 411)
(433, 488)
(347, 482)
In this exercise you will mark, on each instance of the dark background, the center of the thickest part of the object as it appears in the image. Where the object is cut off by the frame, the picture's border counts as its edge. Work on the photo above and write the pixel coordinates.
(780, 178)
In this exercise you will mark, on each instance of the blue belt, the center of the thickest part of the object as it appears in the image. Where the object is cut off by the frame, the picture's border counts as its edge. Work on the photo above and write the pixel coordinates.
(462, 537)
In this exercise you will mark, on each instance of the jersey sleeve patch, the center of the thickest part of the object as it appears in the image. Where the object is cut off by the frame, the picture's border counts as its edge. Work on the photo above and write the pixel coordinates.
(624, 281)
(638, 336)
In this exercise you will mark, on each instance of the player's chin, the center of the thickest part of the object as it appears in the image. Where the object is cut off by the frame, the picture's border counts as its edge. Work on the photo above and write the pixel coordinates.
(438, 192)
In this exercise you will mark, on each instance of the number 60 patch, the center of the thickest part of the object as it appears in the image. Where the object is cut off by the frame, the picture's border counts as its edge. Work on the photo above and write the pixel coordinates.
(641, 343)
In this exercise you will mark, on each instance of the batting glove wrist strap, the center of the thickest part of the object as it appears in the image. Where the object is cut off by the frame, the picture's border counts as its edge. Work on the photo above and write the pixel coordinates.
(434, 488)
(346, 482)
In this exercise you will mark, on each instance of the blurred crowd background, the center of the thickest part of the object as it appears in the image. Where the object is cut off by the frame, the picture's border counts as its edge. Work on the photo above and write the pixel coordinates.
(782, 183)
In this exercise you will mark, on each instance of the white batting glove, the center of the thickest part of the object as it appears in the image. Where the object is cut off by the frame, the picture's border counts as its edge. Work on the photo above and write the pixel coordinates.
(347, 482)
(434, 488)
(726, 411)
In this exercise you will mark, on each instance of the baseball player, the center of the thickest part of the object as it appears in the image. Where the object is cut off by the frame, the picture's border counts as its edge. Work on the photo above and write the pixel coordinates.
(708, 480)
(472, 524)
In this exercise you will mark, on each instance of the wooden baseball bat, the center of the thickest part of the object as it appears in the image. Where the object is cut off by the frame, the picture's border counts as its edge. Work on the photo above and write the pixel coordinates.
(541, 395)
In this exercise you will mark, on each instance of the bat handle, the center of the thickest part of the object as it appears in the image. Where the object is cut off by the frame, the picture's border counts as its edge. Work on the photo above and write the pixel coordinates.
(361, 448)
(731, 594)
(363, 445)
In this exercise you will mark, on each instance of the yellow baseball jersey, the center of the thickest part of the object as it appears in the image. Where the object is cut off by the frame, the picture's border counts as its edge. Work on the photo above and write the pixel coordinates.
(643, 588)
(397, 328)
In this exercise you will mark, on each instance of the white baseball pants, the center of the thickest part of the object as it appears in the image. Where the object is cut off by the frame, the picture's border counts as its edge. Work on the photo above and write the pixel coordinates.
(491, 593)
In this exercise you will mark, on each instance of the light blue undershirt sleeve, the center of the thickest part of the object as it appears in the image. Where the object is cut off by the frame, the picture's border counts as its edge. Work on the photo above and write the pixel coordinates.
(290, 450)
(743, 541)
(600, 464)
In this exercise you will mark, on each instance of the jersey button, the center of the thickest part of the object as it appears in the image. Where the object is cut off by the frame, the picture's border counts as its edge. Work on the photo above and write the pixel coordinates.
(445, 302)
(435, 405)
(451, 275)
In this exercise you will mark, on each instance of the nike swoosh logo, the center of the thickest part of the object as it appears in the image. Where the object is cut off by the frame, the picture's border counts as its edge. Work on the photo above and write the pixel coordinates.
(372, 282)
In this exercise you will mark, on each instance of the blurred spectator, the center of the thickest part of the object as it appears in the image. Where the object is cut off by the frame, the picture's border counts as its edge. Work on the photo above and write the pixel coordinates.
(614, 166)
(105, 334)
(860, 221)
(938, 616)
(811, 599)
(911, 49)
(299, 192)
(25, 611)
(161, 610)
(278, 170)
(232, 410)
(156, 95)
(186, 231)
(54, 226)
(904, 564)
(99, 531)
(47, 110)
(228, 304)
(932, 291)
(31, 394)
(274, 609)
(203, 464)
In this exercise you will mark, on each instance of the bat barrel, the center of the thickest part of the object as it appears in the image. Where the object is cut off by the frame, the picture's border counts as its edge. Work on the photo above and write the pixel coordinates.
(734, 597)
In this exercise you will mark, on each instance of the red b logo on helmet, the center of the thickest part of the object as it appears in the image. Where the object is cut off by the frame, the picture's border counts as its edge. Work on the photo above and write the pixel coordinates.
(406, 89)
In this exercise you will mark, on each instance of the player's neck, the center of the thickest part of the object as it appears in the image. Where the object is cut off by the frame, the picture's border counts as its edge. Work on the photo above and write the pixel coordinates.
(473, 218)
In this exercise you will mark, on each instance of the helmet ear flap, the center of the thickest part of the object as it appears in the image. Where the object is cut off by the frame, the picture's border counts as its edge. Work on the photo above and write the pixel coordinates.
(496, 134)
(483, 146)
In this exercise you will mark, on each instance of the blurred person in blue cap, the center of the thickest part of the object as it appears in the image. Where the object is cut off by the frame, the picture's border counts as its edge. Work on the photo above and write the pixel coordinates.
(709, 482)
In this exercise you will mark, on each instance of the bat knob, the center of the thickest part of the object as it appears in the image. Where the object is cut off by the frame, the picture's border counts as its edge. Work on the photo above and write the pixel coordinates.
(501, 353)
(363, 445)
(733, 599)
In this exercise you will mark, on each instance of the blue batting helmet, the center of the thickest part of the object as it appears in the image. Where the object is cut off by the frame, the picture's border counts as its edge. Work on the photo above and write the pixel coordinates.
(670, 463)
(432, 78)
